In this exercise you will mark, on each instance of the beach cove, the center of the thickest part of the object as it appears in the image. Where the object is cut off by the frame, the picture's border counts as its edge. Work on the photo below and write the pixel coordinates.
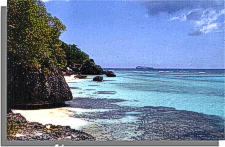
(167, 82)
(108, 111)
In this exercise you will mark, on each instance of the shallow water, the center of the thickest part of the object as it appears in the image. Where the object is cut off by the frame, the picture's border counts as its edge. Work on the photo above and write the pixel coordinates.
(152, 105)
(193, 90)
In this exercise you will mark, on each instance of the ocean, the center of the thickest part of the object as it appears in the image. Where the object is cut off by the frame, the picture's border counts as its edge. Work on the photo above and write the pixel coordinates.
(184, 89)
(118, 101)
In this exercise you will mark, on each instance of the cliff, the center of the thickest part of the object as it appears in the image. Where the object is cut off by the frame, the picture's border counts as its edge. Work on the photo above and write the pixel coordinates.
(29, 86)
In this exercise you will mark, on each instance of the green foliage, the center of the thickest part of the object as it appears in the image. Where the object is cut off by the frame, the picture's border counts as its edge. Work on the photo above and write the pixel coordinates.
(33, 38)
(33, 35)
(74, 55)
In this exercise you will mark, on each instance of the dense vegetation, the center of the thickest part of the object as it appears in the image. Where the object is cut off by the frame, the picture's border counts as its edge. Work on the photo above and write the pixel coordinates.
(74, 55)
(37, 57)
(33, 38)
(33, 35)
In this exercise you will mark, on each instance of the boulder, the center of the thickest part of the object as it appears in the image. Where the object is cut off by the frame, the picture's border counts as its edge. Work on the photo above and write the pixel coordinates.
(98, 78)
(69, 71)
(109, 73)
(64, 73)
(90, 68)
(32, 87)
(80, 76)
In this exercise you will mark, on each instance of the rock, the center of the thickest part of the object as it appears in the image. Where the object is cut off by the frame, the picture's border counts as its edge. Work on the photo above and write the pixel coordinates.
(32, 131)
(80, 76)
(98, 78)
(90, 68)
(76, 68)
(109, 73)
(28, 87)
(69, 71)
(64, 73)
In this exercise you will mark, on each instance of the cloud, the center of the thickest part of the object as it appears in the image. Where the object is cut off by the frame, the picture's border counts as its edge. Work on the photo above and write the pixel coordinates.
(205, 15)
(155, 7)
(195, 33)
(180, 18)
(194, 15)
(208, 28)
(204, 20)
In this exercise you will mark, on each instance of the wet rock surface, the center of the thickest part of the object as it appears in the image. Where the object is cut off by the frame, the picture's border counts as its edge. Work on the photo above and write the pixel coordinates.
(98, 78)
(75, 88)
(90, 68)
(20, 129)
(147, 123)
(122, 123)
(109, 73)
(89, 103)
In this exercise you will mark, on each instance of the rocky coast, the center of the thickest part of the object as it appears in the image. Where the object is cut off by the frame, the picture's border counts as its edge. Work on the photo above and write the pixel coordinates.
(45, 101)
(18, 128)
(113, 122)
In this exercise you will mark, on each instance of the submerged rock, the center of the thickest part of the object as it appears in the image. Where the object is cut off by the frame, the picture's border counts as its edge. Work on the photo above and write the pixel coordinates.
(146, 123)
(98, 78)
(109, 73)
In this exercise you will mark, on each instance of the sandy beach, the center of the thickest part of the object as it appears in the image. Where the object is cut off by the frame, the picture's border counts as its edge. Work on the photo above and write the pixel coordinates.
(56, 116)
(97, 111)
(71, 78)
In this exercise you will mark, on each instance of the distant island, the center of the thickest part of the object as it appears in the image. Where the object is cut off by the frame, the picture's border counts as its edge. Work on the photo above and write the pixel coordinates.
(144, 67)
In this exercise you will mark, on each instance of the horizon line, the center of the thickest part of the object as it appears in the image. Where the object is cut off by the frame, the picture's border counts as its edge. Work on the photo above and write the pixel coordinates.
(162, 68)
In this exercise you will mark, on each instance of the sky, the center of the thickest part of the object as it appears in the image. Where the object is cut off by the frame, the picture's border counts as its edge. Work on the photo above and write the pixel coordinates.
(159, 34)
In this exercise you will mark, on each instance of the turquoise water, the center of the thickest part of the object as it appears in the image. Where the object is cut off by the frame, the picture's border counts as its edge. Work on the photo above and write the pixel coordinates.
(193, 90)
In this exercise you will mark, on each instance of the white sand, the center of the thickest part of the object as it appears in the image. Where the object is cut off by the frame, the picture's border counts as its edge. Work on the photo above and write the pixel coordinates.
(72, 79)
(56, 116)
(19, 135)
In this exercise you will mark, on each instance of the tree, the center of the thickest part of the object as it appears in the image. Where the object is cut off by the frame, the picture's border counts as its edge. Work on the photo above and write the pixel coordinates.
(33, 36)
(74, 55)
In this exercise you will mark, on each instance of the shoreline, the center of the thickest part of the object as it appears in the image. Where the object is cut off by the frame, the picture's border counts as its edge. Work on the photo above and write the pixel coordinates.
(71, 78)
(18, 128)
(147, 122)
(50, 117)
(56, 114)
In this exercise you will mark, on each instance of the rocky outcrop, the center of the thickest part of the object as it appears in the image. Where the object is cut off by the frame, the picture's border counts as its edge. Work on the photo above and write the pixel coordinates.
(31, 87)
(80, 76)
(109, 73)
(17, 124)
(98, 78)
(90, 68)
(69, 71)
